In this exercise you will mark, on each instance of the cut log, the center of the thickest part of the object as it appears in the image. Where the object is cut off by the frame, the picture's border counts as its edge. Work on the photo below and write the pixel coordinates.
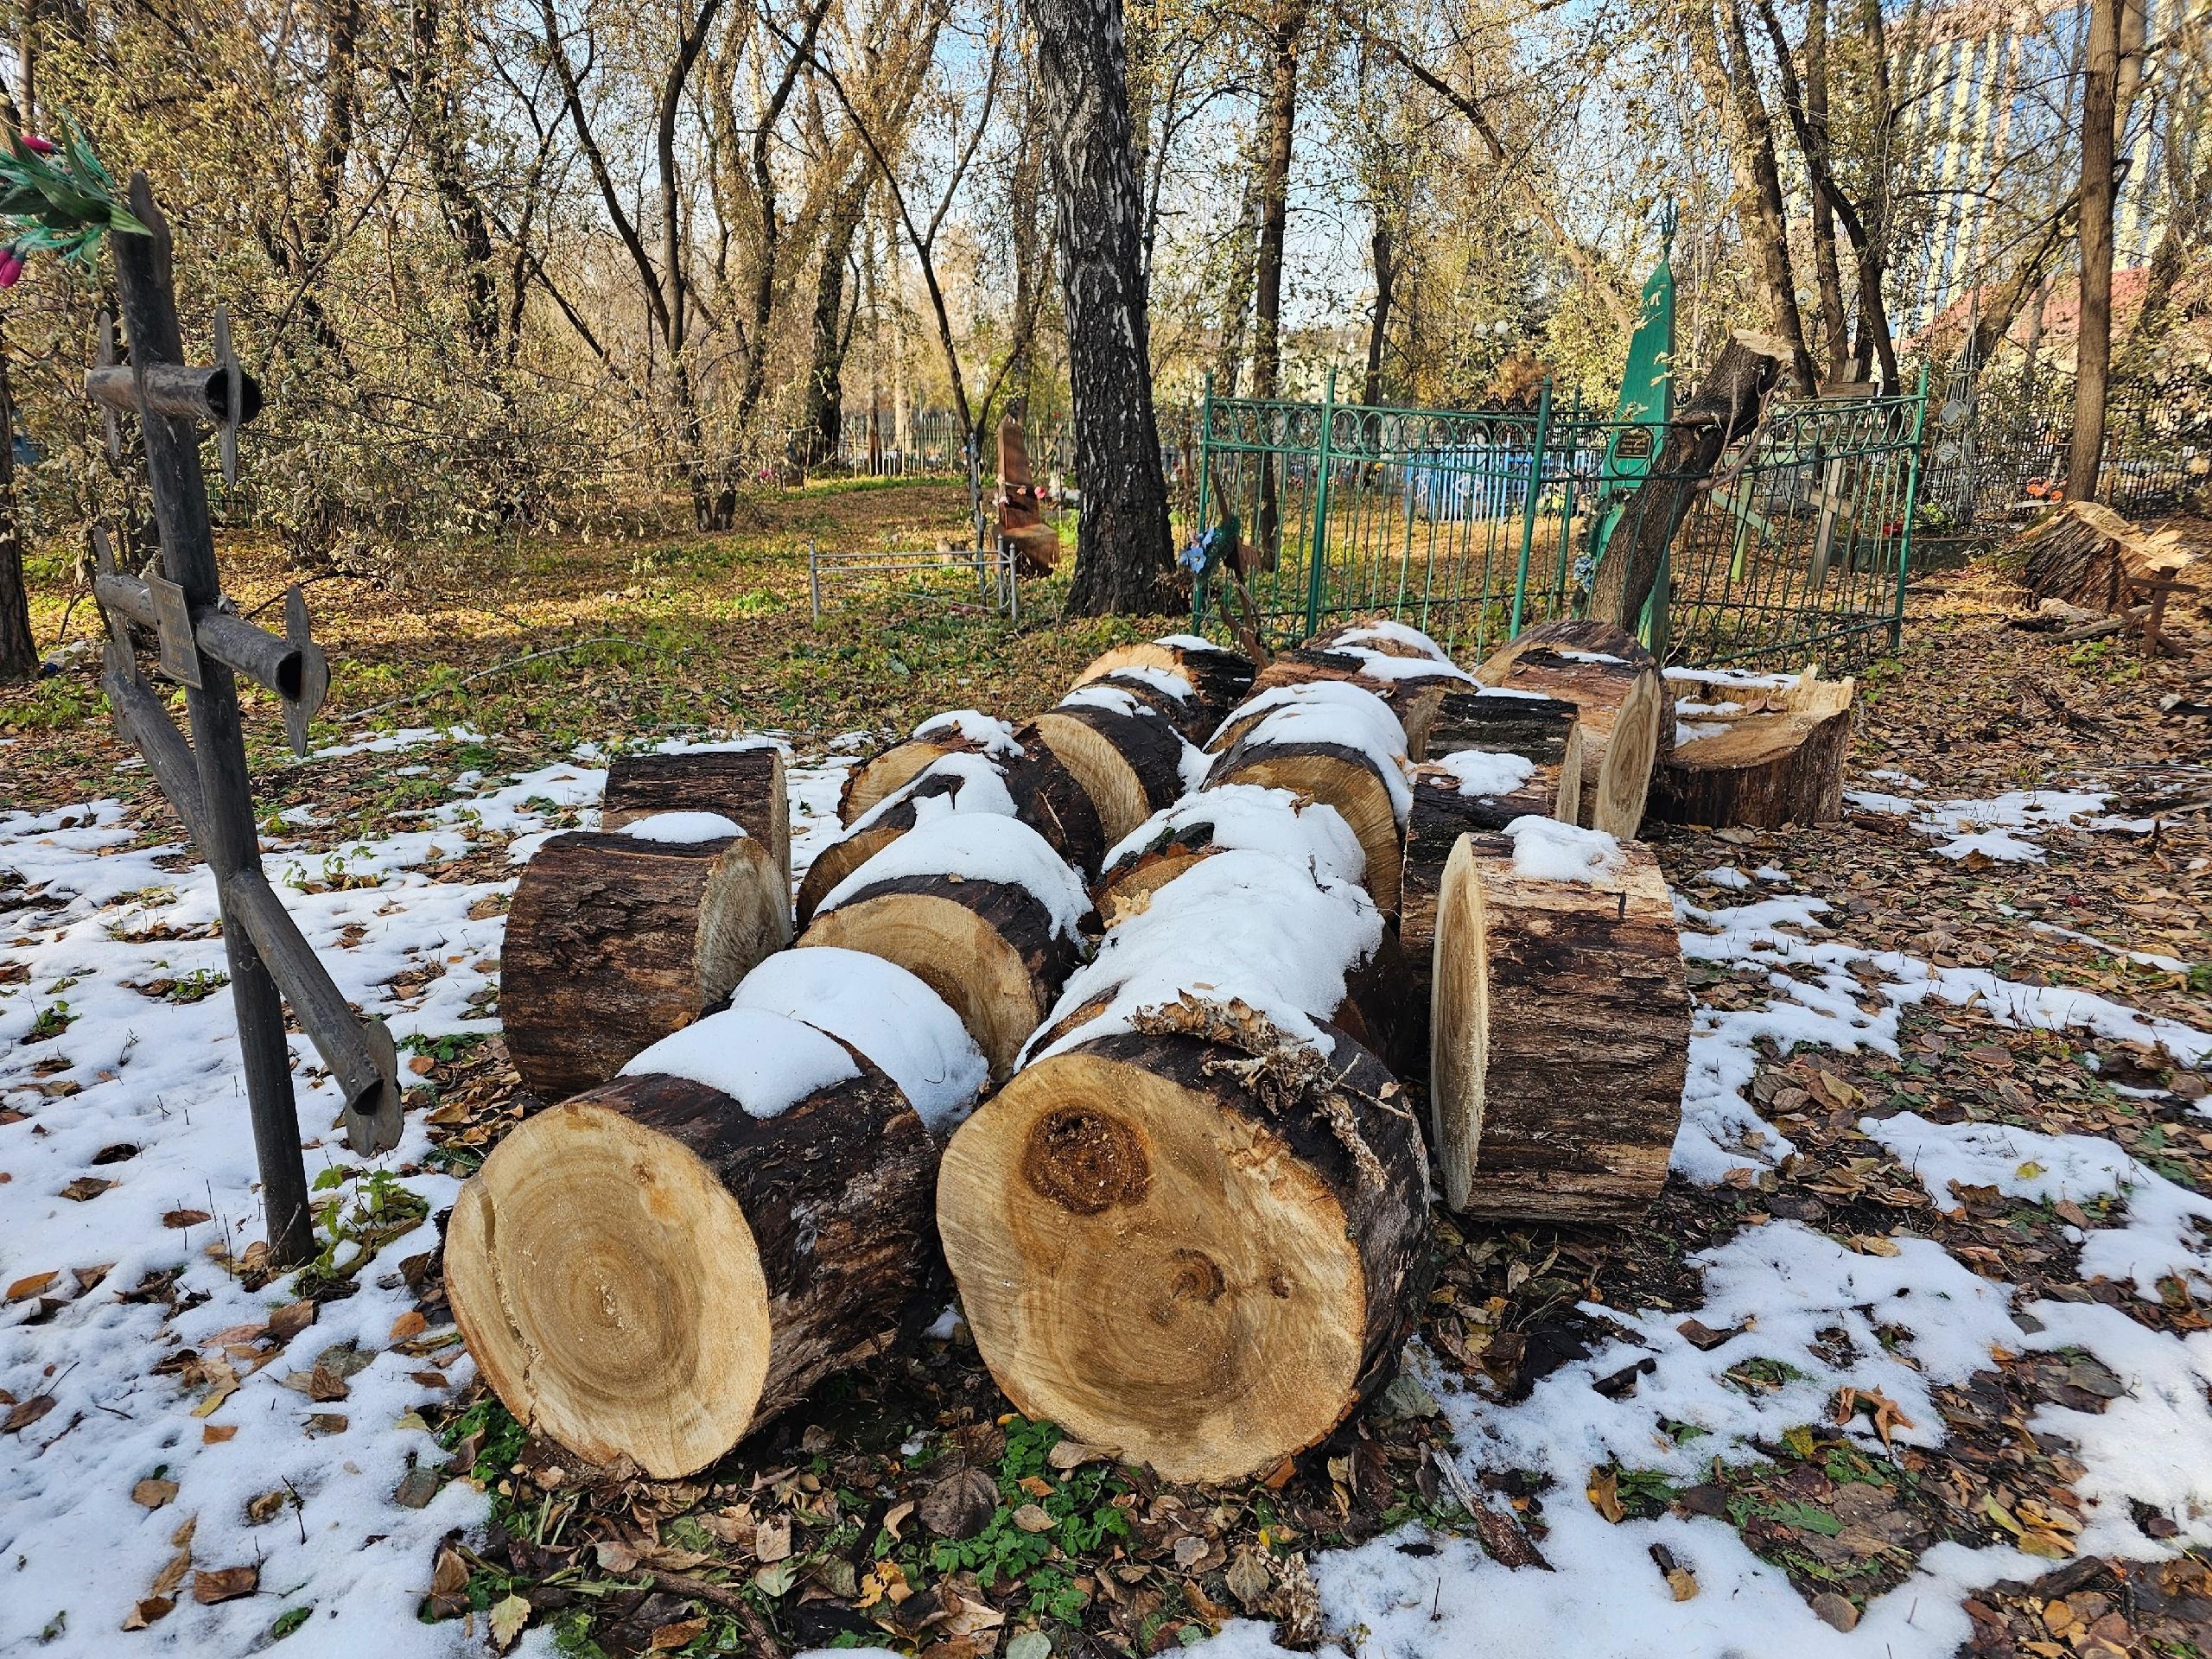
(1220, 677)
(1196, 1275)
(653, 1269)
(1625, 713)
(1310, 834)
(981, 909)
(1559, 1034)
(1167, 694)
(1760, 756)
(1415, 687)
(1546, 730)
(614, 941)
(959, 731)
(2087, 554)
(1471, 790)
(744, 785)
(1384, 634)
(1335, 743)
(1053, 801)
(1129, 761)
(950, 784)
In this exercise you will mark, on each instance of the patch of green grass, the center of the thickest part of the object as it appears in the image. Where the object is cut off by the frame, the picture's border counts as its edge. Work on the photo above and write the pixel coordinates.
(197, 986)
(288, 1621)
(445, 1048)
(53, 1020)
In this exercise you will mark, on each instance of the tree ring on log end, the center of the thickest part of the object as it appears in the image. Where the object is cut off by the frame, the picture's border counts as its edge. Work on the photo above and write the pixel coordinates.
(1085, 1160)
(1458, 1031)
(652, 1338)
(1211, 1325)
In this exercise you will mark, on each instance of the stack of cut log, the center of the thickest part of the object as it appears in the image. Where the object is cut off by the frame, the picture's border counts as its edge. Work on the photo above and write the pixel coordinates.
(1155, 1019)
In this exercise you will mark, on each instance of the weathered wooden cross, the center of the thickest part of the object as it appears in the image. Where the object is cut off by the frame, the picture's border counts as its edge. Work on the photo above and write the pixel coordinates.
(204, 644)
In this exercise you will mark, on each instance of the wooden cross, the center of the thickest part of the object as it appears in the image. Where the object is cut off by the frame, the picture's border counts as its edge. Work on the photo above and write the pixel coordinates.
(204, 646)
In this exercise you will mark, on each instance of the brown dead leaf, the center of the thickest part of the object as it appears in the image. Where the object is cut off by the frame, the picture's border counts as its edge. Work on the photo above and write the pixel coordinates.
(225, 1584)
(1031, 1517)
(27, 1414)
(185, 1217)
(1683, 1583)
(172, 1575)
(678, 1633)
(86, 1187)
(449, 1577)
(153, 1494)
(1605, 1495)
(266, 1506)
(151, 1611)
(410, 1323)
(216, 1433)
(897, 1518)
(290, 1320)
(772, 1538)
(29, 1286)
(1879, 1406)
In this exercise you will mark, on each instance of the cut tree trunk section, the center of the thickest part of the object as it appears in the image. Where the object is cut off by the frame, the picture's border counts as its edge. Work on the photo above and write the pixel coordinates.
(1346, 778)
(1546, 730)
(1129, 763)
(613, 941)
(988, 948)
(1168, 695)
(1559, 1038)
(1156, 1260)
(950, 784)
(745, 785)
(1626, 713)
(649, 1271)
(1311, 834)
(1221, 678)
(1759, 757)
(1415, 687)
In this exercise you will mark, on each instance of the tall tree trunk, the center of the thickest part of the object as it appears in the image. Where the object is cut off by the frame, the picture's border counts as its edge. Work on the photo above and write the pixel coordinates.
(18, 652)
(2093, 341)
(1274, 216)
(825, 379)
(467, 222)
(1378, 324)
(1237, 302)
(1121, 559)
(1769, 223)
(1835, 326)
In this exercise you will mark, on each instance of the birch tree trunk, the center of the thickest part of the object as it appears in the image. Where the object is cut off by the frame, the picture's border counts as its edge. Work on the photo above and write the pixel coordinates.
(1122, 555)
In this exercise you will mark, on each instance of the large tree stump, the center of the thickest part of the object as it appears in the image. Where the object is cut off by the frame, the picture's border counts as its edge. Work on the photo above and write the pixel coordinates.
(958, 731)
(614, 941)
(1335, 743)
(1560, 1032)
(981, 909)
(1471, 790)
(950, 784)
(1626, 715)
(1312, 835)
(1199, 1276)
(889, 1017)
(745, 785)
(1762, 756)
(656, 1268)
(1218, 677)
(1130, 759)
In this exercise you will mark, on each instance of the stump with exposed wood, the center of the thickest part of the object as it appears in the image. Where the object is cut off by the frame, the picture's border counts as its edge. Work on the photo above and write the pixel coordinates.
(1625, 713)
(1200, 1258)
(652, 1270)
(1758, 755)
(1558, 1039)
(1415, 687)
(2089, 556)
(614, 941)
(1311, 834)
(950, 784)
(960, 731)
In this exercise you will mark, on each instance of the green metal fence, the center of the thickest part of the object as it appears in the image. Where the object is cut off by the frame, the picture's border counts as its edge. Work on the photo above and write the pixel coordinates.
(1473, 524)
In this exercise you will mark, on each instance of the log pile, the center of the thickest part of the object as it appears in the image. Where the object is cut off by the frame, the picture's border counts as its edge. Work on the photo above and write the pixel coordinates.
(1758, 750)
(1153, 1022)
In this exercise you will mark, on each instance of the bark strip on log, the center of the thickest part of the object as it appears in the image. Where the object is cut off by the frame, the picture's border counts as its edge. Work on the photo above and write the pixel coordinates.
(1413, 696)
(613, 941)
(988, 948)
(648, 1272)
(1189, 714)
(1542, 729)
(1130, 764)
(745, 785)
(1053, 801)
(1164, 1265)
(1778, 762)
(1625, 713)
(1559, 1038)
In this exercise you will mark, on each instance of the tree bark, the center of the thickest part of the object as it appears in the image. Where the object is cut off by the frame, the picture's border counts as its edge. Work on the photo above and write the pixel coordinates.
(1122, 561)
(1129, 763)
(1275, 220)
(1770, 217)
(18, 651)
(1174, 1267)
(1348, 779)
(2093, 337)
(1378, 323)
(745, 785)
(1542, 729)
(648, 1272)
(614, 942)
(1766, 768)
(1218, 677)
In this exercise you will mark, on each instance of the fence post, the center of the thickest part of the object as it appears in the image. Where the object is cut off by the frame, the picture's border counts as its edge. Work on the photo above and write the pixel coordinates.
(1911, 510)
(1529, 506)
(1206, 481)
(1319, 548)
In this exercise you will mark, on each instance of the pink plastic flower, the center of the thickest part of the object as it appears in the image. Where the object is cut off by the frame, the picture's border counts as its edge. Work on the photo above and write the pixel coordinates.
(36, 145)
(11, 267)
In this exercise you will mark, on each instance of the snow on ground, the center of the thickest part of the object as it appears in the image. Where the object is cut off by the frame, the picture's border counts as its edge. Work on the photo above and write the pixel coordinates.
(2004, 827)
(157, 1111)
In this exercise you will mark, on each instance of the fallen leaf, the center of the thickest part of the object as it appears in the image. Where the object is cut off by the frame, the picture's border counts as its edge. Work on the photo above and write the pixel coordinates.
(1872, 1244)
(87, 1187)
(772, 1538)
(1032, 1518)
(153, 1494)
(27, 1414)
(267, 1506)
(173, 1575)
(1605, 1495)
(290, 1320)
(450, 1575)
(151, 1611)
(185, 1217)
(410, 1323)
(897, 1517)
(1683, 1583)
(775, 1577)
(216, 1433)
(679, 1633)
(29, 1286)
(225, 1584)
(508, 1617)
(1073, 1454)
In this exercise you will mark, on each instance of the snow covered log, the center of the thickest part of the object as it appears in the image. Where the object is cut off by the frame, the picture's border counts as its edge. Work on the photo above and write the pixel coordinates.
(1167, 693)
(746, 784)
(1219, 678)
(958, 731)
(960, 782)
(978, 907)
(1131, 759)
(1415, 687)
(1749, 750)
(615, 940)
(1626, 713)
(1547, 730)
(1559, 1026)
(652, 1270)
(1471, 790)
(1312, 835)
(1335, 743)
(1382, 635)
(1199, 1245)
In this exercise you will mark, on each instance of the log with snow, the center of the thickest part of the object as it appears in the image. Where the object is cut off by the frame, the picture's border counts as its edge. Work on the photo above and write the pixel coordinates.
(1559, 1025)
(654, 1268)
(1130, 759)
(1191, 1228)
(613, 940)
(743, 782)
(1310, 834)
(1755, 749)
(1627, 714)
(1399, 663)
(1333, 742)
(978, 907)
(959, 782)
(1041, 792)
(1219, 678)
(958, 731)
